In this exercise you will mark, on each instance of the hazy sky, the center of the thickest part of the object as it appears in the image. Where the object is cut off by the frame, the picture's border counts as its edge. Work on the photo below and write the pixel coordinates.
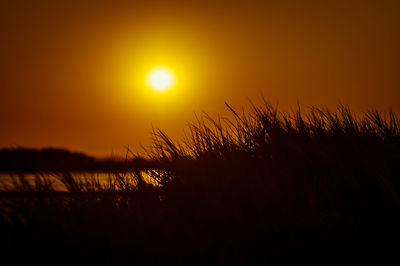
(71, 72)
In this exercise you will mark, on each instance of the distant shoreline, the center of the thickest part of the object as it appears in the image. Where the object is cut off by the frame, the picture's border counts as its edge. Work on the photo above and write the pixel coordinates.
(25, 160)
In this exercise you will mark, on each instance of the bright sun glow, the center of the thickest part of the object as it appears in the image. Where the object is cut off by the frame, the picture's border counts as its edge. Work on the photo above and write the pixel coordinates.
(160, 79)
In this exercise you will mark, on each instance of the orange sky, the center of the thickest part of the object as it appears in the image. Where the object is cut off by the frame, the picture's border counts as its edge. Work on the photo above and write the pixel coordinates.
(71, 72)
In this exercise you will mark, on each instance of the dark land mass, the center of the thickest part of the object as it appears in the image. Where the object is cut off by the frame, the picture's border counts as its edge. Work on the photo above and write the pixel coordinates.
(320, 188)
(25, 160)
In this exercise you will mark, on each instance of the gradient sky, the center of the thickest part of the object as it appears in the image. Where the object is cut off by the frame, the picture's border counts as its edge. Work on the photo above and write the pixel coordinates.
(71, 72)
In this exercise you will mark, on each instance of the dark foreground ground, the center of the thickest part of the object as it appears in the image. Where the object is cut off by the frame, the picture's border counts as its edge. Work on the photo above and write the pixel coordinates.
(321, 188)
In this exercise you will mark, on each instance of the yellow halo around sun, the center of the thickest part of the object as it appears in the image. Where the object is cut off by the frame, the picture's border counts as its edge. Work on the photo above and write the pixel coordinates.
(161, 79)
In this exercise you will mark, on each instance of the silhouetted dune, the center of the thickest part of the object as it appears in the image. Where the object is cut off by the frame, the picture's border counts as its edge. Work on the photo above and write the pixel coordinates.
(315, 188)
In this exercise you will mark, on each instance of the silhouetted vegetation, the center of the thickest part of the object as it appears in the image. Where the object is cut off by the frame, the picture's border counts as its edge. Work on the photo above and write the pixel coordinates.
(319, 187)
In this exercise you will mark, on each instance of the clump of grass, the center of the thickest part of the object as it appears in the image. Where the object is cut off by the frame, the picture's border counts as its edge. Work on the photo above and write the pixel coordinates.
(317, 157)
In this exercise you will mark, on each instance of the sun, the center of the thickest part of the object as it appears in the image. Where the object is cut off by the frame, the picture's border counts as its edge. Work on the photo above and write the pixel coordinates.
(161, 79)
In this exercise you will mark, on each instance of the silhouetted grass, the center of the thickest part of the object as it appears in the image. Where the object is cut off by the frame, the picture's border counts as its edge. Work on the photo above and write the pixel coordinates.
(319, 187)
